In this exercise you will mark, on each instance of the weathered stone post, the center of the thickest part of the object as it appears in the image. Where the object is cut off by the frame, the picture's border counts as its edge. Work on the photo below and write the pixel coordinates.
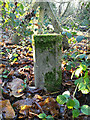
(47, 61)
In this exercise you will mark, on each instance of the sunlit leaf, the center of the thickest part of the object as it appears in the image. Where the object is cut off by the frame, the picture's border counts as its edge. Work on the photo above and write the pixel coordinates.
(15, 55)
(61, 99)
(1, 2)
(31, 32)
(85, 91)
(7, 6)
(30, 49)
(70, 104)
(15, 60)
(85, 109)
(75, 113)
(23, 107)
(21, 6)
(66, 94)
(42, 115)
(4, 76)
(78, 71)
(2, 53)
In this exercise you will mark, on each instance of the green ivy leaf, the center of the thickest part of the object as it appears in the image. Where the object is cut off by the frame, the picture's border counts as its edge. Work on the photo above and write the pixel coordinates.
(88, 86)
(1, 2)
(66, 94)
(2, 53)
(82, 86)
(65, 57)
(15, 59)
(78, 81)
(85, 91)
(42, 115)
(15, 55)
(78, 71)
(21, 6)
(74, 33)
(75, 113)
(81, 56)
(6, 71)
(30, 49)
(4, 76)
(86, 80)
(79, 38)
(68, 67)
(61, 99)
(8, 50)
(12, 15)
(69, 35)
(85, 109)
(70, 104)
(49, 117)
(77, 104)
(31, 32)
(12, 5)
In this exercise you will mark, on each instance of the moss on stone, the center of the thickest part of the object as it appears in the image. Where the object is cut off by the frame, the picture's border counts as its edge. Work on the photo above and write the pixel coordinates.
(46, 42)
(47, 49)
(51, 83)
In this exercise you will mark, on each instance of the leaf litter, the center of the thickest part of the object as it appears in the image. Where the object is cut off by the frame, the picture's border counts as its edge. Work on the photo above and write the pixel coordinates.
(20, 99)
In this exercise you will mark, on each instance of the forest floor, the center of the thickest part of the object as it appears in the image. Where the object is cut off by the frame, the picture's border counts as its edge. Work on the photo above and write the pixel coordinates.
(19, 99)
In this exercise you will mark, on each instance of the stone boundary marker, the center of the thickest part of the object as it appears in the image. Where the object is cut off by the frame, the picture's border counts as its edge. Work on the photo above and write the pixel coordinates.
(47, 61)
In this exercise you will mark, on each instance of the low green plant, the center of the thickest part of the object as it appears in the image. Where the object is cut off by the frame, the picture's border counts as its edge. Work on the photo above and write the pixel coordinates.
(82, 81)
(43, 116)
(73, 104)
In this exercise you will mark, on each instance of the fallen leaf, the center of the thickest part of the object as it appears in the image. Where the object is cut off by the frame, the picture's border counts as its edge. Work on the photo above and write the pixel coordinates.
(15, 86)
(7, 109)
(38, 97)
(21, 103)
(2, 65)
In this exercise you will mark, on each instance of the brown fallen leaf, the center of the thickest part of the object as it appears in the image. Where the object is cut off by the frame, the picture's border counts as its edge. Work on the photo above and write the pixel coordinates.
(50, 105)
(2, 65)
(6, 30)
(68, 83)
(38, 97)
(7, 110)
(16, 86)
(23, 104)
(11, 73)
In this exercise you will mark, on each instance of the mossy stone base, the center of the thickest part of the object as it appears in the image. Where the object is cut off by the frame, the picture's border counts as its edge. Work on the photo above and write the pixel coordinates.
(47, 61)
